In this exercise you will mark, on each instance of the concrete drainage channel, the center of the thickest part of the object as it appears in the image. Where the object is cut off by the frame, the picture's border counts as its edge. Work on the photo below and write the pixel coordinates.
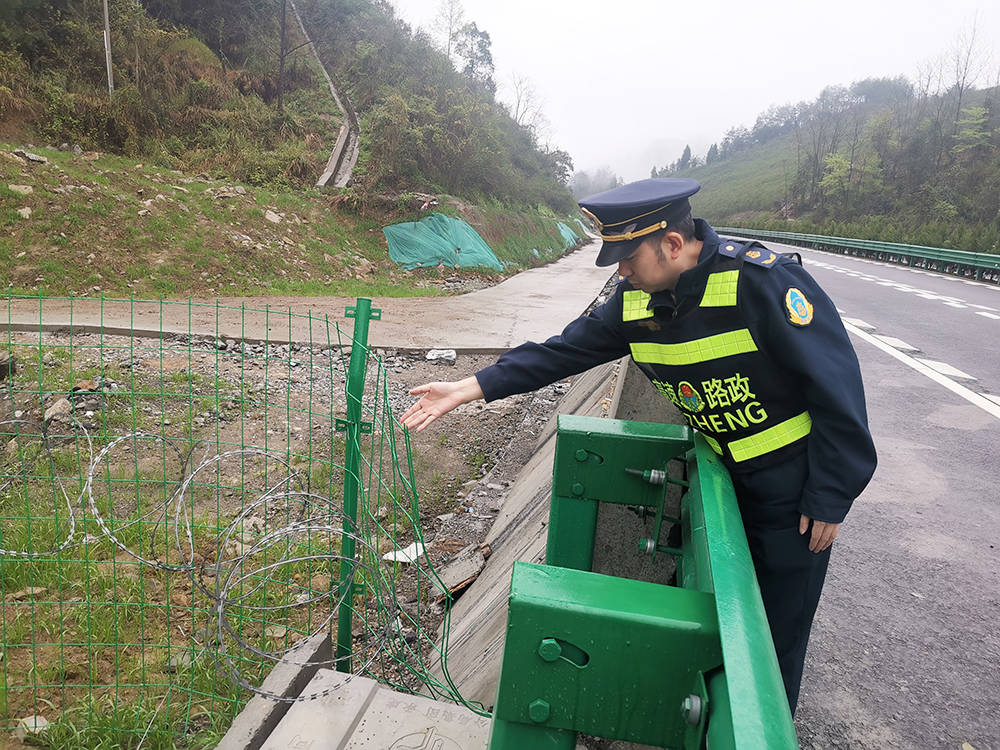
(324, 709)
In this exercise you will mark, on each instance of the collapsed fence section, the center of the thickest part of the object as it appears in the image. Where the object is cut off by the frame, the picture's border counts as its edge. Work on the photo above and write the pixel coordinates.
(174, 520)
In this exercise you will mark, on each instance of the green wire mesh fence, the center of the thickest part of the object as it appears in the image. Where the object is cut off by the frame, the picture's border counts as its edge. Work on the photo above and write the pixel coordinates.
(172, 517)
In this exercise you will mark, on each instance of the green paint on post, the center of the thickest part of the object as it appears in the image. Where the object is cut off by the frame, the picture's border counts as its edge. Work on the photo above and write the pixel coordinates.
(362, 313)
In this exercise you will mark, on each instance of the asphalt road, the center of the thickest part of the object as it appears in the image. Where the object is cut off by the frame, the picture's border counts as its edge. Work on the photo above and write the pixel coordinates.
(906, 647)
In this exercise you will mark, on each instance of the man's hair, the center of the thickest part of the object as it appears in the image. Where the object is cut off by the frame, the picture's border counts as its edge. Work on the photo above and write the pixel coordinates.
(684, 227)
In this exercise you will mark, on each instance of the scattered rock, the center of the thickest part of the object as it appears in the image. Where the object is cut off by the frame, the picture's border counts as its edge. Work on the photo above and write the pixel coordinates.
(178, 661)
(8, 365)
(60, 408)
(144, 212)
(24, 213)
(442, 356)
(30, 726)
(275, 631)
(21, 189)
(28, 156)
(272, 217)
(459, 574)
(24, 594)
(77, 151)
(87, 386)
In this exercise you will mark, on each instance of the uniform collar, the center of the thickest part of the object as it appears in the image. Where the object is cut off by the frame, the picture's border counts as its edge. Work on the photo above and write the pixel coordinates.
(693, 280)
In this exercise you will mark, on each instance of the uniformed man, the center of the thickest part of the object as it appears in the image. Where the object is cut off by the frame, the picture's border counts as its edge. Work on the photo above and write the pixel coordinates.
(756, 358)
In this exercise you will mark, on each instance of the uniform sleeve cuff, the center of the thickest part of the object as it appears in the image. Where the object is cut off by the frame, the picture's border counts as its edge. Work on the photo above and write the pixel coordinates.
(823, 507)
(490, 381)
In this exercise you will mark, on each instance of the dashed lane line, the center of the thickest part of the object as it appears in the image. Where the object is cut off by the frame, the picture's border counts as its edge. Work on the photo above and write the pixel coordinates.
(858, 323)
(989, 315)
(896, 343)
(947, 370)
(990, 406)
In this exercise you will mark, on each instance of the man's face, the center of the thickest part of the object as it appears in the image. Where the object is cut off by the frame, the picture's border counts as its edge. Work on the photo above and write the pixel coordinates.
(649, 268)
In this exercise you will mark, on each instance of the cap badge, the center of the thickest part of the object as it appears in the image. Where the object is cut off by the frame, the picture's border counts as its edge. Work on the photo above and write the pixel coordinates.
(800, 311)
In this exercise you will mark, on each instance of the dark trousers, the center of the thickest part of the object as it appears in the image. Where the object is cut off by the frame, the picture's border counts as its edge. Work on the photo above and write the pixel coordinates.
(789, 575)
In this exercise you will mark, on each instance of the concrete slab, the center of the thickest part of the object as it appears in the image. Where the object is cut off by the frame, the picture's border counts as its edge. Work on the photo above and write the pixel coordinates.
(530, 306)
(358, 714)
(261, 715)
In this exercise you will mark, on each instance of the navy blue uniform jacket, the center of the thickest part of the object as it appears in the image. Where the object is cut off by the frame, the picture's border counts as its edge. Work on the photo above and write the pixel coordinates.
(818, 358)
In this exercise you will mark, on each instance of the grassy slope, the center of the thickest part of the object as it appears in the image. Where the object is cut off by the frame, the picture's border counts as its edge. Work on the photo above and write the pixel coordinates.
(749, 183)
(90, 233)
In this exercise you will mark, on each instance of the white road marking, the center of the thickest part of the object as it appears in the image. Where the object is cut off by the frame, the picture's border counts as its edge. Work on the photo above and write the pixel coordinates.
(992, 397)
(945, 369)
(988, 405)
(858, 323)
(957, 304)
(896, 343)
(983, 307)
(991, 316)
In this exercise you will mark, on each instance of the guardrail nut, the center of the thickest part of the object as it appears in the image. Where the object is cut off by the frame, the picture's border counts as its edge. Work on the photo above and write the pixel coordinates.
(549, 649)
(577, 489)
(539, 710)
(691, 710)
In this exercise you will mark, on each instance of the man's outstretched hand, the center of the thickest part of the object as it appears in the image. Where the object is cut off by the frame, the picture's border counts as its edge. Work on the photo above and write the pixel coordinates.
(437, 399)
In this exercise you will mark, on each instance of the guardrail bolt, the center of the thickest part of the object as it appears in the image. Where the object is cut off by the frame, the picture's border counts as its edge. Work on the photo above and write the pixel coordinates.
(691, 710)
(539, 710)
(581, 455)
(549, 649)
(577, 489)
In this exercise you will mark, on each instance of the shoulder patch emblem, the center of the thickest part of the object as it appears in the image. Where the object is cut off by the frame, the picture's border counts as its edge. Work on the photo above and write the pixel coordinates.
(769, 259)
(799, 309)
(753, 253)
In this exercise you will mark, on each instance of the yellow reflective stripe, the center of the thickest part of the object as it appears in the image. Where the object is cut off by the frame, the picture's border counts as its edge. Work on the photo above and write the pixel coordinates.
(765, 441)
(634, 306)
(700, 350)
(712, 443)
(720, 291)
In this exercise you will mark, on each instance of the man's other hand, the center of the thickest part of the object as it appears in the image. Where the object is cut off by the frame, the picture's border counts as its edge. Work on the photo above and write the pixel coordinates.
(823, 533)
(437, 399)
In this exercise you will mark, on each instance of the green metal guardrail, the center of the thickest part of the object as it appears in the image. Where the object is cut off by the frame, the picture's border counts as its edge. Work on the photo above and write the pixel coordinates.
(687, 666)
(981, 266)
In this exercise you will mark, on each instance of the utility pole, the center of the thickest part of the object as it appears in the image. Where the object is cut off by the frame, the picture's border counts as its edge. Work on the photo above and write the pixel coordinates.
(107, 50)
(281, 61)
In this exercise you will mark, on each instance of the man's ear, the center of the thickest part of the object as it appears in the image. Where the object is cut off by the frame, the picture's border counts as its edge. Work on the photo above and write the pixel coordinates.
(672, 243)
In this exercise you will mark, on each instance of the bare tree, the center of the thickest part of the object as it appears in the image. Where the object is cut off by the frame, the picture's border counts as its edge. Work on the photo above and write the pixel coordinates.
(525, 106)
(448, 22)
(967, 66)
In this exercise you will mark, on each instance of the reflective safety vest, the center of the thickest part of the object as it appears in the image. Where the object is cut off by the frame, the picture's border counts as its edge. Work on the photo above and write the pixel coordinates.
(706, 360)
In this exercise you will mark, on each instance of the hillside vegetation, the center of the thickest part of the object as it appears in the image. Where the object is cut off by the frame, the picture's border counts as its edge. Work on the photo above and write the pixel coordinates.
(884, 159)
(195, 175)
(209, 85)
(96, 224)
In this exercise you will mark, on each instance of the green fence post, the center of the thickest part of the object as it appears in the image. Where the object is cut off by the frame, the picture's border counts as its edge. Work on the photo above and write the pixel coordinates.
(362, 313)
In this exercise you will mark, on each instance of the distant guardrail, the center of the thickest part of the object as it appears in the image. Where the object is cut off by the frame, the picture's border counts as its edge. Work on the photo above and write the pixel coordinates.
(981, 266)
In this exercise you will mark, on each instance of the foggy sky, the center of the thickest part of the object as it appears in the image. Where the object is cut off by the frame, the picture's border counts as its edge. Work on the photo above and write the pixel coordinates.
(630, 89)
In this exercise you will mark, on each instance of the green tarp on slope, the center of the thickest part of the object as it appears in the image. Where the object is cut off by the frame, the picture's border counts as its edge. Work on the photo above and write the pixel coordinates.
(438, 239)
